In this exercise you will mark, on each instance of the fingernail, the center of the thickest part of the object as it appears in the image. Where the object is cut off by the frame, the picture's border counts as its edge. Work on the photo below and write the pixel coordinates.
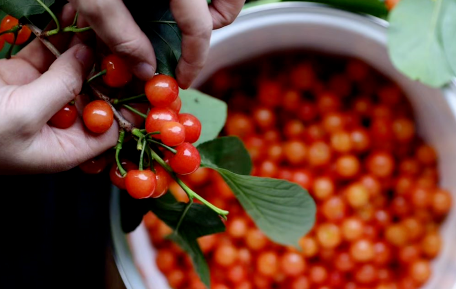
(144, 71)
(85, 56)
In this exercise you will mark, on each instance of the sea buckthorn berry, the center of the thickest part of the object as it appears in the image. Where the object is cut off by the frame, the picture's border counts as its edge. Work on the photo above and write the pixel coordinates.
(357, 195)
(328, 102)
(383, 253)
(294, 129)
(390, 95)
(344, 262)
(157, 117)
(323, 187)
(176, 105)
(341, 142)
(140, 184)
(441, 202)
(409, 253)
(255, 239)
(267, 263)
(192, 126)
(162, 179)
(95, 165)
(239, 124)
(414, 227)
(318, 274)
(116, 178)
(166, 260)
(404, 129)
(329, 235)
(319, 154)
(431, 244)
(291, 100)
(176, 278)
(302, 177)
(264, 117)
(334, 208)
(98, 116)
(237, 273)
(347, 166)
(172, 133)
(333, 122)
(426, 155)
(292, 264)
(381, 164)
(352, 228)
(237, 227)
(366, 274)
(309, 246)
(420, 271)
(372, 184)
(397, 235)
(421, 197)
(65, 117)
(302, 76)
(161, 90)
(268, 169)
(362, 250)
(118, 73)
(295, 152)
(360, 140)
(8, 23)
(225, 255)
(300, 282)
(186, 160)
(307, 111)
(269, 93)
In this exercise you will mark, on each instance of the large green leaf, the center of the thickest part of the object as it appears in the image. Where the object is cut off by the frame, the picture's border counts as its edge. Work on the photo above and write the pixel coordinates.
(159, 25)
(414, 41)
(284, 211)
(209, 110)
(448, 31)
(23, 8)
(227, 153)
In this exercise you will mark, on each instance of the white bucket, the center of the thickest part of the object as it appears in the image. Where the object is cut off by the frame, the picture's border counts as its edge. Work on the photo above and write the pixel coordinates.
(292, 25)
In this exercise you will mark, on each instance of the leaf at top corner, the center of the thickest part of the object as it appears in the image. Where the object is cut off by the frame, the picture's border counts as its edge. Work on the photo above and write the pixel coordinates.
(227, 153)
(210, 111)
(414, 41)
(160, 27)
(23, 8)
(448, 32)
(284, 211)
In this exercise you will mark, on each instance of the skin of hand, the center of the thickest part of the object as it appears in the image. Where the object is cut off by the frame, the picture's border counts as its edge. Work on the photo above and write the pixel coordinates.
(196, 19)
(33, 87)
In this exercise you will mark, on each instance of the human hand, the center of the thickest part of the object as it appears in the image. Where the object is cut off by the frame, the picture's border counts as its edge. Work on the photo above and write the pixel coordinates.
(195, 19)
(33, 87)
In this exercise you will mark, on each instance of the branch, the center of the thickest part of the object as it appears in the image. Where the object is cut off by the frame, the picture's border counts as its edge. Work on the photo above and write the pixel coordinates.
(39, 34)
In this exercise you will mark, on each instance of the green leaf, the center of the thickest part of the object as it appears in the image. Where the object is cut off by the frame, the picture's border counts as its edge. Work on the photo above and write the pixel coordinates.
(284, 211)
(23, 8)
(227, 153)
(159, 26)
(209, 110)
(414, 41)
(448, 31)
(192, 248)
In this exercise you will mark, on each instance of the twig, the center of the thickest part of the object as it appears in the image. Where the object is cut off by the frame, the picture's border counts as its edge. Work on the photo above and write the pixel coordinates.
(38, 33)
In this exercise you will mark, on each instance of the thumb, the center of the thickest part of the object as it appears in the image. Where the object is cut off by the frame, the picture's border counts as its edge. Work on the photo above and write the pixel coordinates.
(59, 85)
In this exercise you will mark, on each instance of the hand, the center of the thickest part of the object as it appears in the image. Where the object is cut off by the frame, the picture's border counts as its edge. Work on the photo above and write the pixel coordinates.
(33, 87)
(195, 19)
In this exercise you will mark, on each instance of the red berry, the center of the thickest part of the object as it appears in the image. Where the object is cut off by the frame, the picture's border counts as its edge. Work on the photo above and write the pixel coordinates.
(186, 160)
(176, 105)
(162, 90)
(140, 184)
(117, 73)
(65, 117)
(192, 127)
(95, 165)
(172, 133)
(98, 116)
(22, 36)
(157, 117)
(116, 177)
(162, 179)
(2, 42)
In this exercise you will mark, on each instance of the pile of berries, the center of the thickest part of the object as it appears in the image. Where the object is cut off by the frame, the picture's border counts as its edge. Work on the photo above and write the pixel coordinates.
(345, 133)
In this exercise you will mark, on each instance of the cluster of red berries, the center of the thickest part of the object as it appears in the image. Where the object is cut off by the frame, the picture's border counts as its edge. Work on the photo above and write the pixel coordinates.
(174, 131)
(8, 23)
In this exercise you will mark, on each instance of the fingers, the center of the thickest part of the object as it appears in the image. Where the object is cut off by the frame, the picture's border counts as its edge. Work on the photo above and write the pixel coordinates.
(195, 23)
(115, 26)
(225, 11)
(39, 55)
(56, 87)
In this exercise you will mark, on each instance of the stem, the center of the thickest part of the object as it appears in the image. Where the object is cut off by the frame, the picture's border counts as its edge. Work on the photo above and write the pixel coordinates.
(128, 99)
(191, 194)
(57, 23)
(162, 22)
(75, 20)
(103, 72)
(134, 110)
(141, 157)
(187, 207)
(162, 144)
(118, 147)
(12, 30)
(75, 29)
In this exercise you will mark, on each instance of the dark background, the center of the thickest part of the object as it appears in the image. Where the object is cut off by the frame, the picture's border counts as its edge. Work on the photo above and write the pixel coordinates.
(55, 231)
